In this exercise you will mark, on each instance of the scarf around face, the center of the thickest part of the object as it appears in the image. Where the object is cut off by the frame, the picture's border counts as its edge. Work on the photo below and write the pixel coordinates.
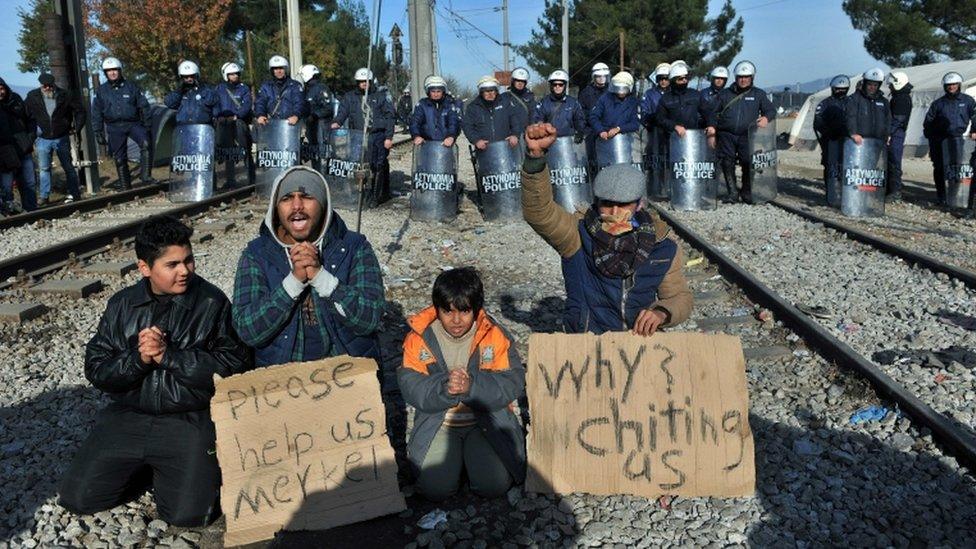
(619, 255)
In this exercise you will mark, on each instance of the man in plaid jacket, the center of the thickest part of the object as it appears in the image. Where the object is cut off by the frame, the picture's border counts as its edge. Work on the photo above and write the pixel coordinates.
(307, 287)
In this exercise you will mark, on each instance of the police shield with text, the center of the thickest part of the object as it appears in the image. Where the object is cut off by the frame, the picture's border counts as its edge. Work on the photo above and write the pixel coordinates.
(318, 122)
(493, 126)
(830, 127)
(947, 119)
(659, 141)
(616, 121)
(434, 127)
(232, 133)
(279, 108)
(588, 96)
(192, 164)
(567, 155)
(868, 125)
(739, 108)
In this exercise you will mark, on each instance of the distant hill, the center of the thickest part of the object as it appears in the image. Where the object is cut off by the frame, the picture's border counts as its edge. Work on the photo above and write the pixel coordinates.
(806, 87)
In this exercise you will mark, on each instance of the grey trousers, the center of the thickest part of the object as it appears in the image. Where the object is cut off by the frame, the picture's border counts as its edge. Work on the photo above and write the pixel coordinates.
(462, 448)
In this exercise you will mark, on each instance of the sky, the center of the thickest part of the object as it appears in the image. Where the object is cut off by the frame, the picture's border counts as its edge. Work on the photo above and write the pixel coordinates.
(789, 40)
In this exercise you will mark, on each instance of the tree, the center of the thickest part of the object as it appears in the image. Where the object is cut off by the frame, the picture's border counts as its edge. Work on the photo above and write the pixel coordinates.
(914, 32)
(152, 36)
(33, 45)
(654, 32)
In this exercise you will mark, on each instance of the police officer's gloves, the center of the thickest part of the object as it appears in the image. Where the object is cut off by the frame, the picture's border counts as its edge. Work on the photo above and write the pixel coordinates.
(186, 86)
(100, 139)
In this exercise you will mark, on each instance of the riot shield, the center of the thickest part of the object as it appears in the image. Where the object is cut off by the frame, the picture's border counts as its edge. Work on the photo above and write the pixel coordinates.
(623, 148)
(315, 149)
(279, 147)
(834, 170)
(435, 195)
(500, 182)
(346, 154)
(863, 192)
(656, 164)
(958, 161)
(568, 173)
(762, 143)
(231, 153)
(192, 165)
(691, 176)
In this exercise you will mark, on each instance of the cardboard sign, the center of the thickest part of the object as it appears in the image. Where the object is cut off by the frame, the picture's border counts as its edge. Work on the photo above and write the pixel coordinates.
(303, 446)
(623, 414)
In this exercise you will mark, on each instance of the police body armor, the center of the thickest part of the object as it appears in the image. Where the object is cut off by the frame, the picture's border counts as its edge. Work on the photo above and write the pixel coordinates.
(863, 191)
(435, 195)
(279, 148)
(958, 161)
(568, 173)
(762, 143)
(691, 173)
(346, 158)
(656, 164)
(232, 157)
(835, 171)
(499, 181)
(192, 165)
(623, 148)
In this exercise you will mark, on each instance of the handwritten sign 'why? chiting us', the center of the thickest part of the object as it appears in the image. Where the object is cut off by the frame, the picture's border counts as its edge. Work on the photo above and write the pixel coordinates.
(623, 414)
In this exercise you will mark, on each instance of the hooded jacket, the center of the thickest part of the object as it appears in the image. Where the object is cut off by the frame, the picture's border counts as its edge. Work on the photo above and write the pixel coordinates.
(351, 110)
(596, 303)
(491, 122)
(280, 99)
(120, 103)
(565, 113)
(434, 120)
(347, 294)
(497, 380)
(611, 111)
(20, 129)
(68, 113)
(200, 342)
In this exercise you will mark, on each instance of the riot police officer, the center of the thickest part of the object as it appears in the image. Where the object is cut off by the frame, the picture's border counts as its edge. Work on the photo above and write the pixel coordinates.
(830, 122)
(652, 97)
(901, 112)
(121, 110)
(616, 112)
(739, 107)
(948, 117)
(378, 120)
(233, 117)
(588, 96)
(520, 96)
(404, 108)
(561, 109)
(718, 77)
(194, 101)
(489, 118)
(280, 97)
(319, 101)
(435, 118)
(682, 108)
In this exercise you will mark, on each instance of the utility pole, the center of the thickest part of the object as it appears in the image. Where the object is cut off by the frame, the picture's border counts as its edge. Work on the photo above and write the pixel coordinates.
(505, 43)
(566, 36)
(250, 60)
(396, 48)
(294, 39)
(420, 14)
(621, 51)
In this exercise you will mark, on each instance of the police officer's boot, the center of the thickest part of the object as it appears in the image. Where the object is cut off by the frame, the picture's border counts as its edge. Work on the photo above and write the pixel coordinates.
(125, 178)
(746, 193)
(384, 183)
(145, 166)
(731, 193)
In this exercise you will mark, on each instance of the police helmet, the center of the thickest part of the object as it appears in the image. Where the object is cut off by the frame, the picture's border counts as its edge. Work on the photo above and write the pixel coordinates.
(744, 68)
(951, 78)
(677, 71)
(307, 72)
(362, 74)
(434, 82)
(559, 76)
(873, 75)
(662, 70)
(520, 74)
(719, 72)
(277, 62)
(600, 69)
(487, 83)
(840, 82)
(111, 63)
(188, 68)
(622, 82)
(229, 69)
(897, 79)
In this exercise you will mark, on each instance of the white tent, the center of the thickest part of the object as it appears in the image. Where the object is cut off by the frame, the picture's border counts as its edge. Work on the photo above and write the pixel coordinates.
(927, 87)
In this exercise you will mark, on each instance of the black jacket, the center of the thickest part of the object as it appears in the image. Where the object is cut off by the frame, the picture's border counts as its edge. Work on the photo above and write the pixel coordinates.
(18, 131)
(493, 121)
(949, 115)
(737, 109)
(524, 103)
(379, 104)
(200, 342)
(685, 108)
(868, 116)
(901, 107)
(830, 118)
(68, 113)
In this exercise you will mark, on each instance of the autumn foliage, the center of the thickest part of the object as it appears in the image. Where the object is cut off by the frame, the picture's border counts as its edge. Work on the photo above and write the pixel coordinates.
(151, 37)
